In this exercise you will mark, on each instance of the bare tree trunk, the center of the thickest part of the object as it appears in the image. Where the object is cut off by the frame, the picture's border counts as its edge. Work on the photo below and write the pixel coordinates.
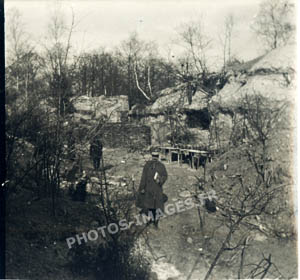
(222, 248)
(240, 272)
(138, 85)
(149, 83)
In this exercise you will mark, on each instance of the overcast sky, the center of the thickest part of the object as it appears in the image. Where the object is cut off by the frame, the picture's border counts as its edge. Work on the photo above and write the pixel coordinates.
(107, 23)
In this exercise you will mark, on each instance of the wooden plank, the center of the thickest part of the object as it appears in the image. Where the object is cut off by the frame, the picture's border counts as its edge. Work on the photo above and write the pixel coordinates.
(193, 155)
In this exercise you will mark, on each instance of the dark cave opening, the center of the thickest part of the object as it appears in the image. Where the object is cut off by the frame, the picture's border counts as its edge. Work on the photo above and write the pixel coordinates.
(198, 118)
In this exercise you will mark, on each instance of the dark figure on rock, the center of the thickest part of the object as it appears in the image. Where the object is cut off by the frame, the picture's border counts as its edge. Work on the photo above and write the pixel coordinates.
(96, 152)
(150, 196)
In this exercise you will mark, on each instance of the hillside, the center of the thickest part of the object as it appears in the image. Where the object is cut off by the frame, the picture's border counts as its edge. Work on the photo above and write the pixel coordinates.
(250, 122)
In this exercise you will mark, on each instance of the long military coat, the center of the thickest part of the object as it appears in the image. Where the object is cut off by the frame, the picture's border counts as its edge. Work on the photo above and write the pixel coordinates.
(152, 198)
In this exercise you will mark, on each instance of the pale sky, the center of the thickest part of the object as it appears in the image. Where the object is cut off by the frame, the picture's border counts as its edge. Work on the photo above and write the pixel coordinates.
(107, 23)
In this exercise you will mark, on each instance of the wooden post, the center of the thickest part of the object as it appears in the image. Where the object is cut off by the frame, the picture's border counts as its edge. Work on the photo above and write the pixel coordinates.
(198, 161)
(169, 156)
(181, 157)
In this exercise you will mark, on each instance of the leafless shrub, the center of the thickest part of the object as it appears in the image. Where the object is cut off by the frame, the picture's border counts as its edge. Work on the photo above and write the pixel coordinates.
(246, 201)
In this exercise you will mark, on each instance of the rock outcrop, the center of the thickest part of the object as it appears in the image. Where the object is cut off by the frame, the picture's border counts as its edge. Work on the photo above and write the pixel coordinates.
(272, 77)
(176, 111)
(114, 109)
(177, 98)
(270, 84)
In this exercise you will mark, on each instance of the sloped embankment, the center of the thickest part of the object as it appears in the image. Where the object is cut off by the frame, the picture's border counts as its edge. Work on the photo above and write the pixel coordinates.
(273, 79)
(254, 113)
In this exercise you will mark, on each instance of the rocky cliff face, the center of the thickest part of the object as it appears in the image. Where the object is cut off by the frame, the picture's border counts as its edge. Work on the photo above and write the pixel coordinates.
(176, 112)
(177, 98)
(273, 78)
(266, 93)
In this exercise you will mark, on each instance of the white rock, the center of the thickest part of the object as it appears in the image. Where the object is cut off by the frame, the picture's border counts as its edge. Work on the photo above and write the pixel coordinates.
(64, 184)
(260, 237)
(189, 240)
(113, 183)
(185, 194)
(165, 270)
(89, 187)
(95, 180)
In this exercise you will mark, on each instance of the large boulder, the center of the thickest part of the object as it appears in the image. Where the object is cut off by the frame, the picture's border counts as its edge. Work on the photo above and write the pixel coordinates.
(177, 99)
(280, 60)
(111, 108)
(275, 87)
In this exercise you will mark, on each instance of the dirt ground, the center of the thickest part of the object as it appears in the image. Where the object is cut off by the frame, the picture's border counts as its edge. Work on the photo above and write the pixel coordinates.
(180, 242)
(178, 249)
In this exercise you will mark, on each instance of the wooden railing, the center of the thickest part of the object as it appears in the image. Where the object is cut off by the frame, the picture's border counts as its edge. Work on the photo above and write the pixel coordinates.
(194, 157)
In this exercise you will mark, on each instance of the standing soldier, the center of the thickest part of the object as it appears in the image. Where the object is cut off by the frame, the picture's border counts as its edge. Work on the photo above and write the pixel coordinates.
(96, 152)
(150, 196)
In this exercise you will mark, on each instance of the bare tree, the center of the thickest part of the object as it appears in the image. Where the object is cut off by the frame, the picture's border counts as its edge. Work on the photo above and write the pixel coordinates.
(194, 39)
(139, 55)
(17, 37)
(22, 61)
(226, 40)
(274, 23)
(50, 139)
(260, 119)
(57, 55)
(238, 205)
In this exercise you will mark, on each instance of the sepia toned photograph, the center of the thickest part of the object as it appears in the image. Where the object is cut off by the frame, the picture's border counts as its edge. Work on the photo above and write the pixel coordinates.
(150, 140)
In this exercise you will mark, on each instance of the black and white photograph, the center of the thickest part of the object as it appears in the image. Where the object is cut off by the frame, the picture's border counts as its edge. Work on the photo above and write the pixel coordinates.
(149, 140)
